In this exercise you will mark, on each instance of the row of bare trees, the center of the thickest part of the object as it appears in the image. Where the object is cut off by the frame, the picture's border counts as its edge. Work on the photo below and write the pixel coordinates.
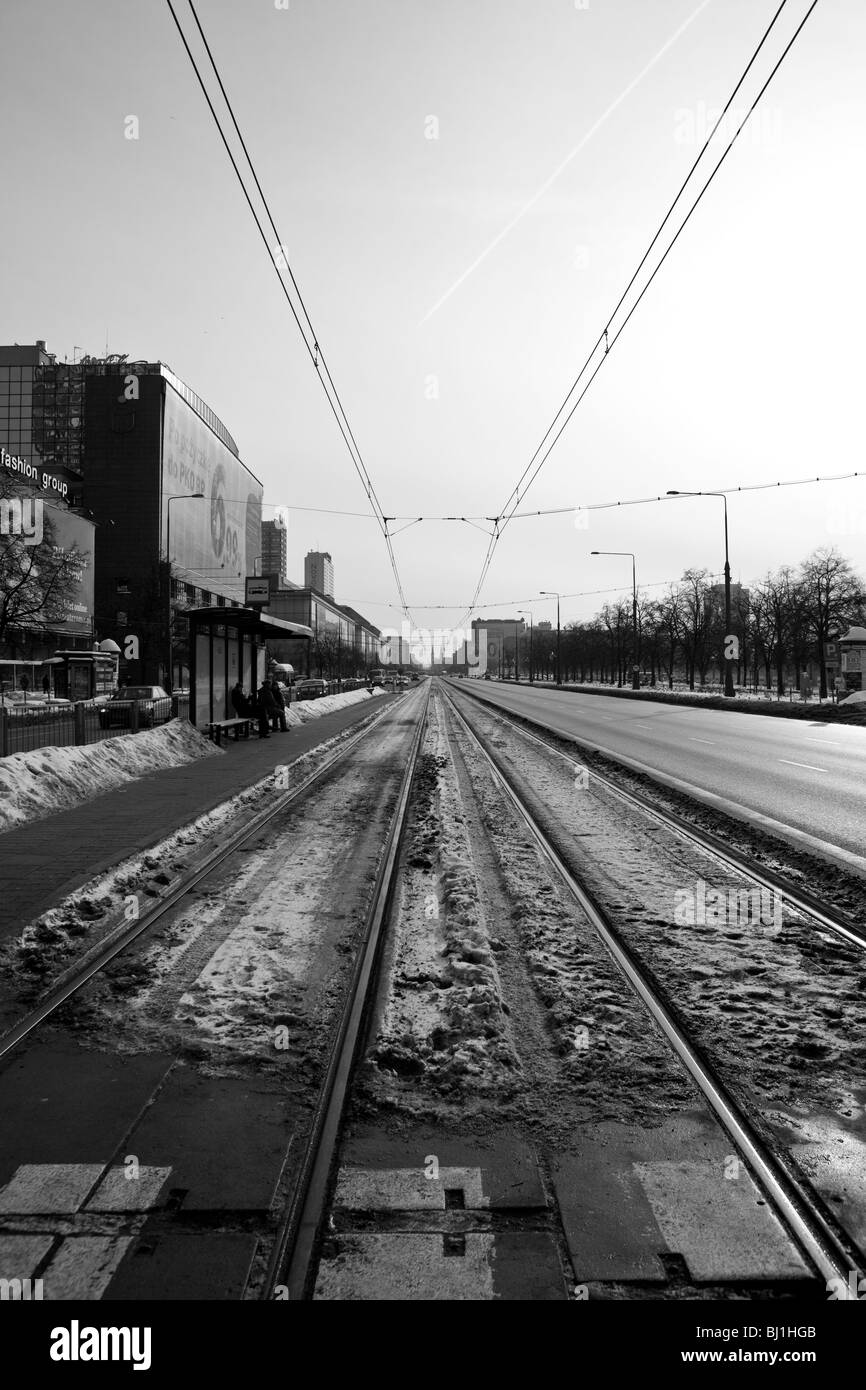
(782, 623)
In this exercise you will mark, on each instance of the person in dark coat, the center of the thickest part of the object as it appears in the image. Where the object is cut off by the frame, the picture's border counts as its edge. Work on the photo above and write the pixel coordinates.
(278, 719)
(240, 703)
(267, 707)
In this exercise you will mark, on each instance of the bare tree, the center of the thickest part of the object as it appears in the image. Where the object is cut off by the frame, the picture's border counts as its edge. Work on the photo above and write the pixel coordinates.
(831, 595)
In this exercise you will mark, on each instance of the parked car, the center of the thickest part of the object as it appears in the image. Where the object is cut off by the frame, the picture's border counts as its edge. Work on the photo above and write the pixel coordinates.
(310, 689)
(154, 706)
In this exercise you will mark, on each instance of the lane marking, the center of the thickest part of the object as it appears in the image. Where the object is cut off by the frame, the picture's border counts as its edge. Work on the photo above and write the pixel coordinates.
(808, 766)
(708, 741)
(825, 742)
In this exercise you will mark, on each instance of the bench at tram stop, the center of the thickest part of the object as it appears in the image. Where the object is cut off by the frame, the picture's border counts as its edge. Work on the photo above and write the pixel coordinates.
(217, 727)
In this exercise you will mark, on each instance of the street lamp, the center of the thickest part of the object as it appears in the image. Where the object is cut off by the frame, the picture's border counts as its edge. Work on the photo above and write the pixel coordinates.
(527, 612)
(635, 673)
(178, 497)
(729, 670)
(551, 593)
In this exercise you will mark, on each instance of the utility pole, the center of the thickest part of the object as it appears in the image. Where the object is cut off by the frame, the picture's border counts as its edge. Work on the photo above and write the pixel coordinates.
(730, 638)
(551, 593)
(527, 612)
(635, 674)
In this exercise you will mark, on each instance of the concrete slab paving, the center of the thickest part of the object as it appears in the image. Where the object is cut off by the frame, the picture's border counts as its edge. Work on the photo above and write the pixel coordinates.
(224, 1138)
(721, 1225)
(132, 1188)
(628, 1199)
(509, 1169)
(48, 1189)
(61, 1104)
(83, 1267)
(178, 1265)
(408, 1189)
(414, 1267)
(20, 1255)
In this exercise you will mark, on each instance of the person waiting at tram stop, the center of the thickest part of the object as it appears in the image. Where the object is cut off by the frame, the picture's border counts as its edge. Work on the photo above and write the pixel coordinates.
(278, 718)
(266, 708)
(241, 704)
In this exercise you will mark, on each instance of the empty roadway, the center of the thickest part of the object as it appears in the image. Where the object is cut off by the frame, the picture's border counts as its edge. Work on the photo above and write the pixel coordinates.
(809, 776)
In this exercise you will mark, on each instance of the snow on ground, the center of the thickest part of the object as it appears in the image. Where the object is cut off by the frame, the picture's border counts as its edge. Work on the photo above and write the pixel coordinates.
(254, 966)
(444, 1020)
(305, 710)
(46, 780)
(773, 1001)
(36, 784)
(99, 905)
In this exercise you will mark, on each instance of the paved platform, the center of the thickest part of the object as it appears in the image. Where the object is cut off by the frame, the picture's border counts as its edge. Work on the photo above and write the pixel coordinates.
(44, 861)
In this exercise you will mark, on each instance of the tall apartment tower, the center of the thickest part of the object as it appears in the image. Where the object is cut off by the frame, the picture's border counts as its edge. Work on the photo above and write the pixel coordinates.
(275, 548)
(319, 572)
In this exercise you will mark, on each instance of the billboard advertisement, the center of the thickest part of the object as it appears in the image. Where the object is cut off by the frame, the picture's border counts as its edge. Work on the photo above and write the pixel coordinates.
(216, 539)
(72, 535)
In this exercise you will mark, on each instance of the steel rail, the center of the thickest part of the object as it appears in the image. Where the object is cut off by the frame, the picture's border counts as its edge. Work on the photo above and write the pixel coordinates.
(92, 962)
(828, 1251)
(731, 858)
(291, 1266)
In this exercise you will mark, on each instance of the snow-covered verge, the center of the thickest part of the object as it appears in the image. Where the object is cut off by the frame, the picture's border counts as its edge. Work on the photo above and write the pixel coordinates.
(746, 701)
(46, 780)
(102, 904)
(251, 969)
(305, 710)
(36, 784)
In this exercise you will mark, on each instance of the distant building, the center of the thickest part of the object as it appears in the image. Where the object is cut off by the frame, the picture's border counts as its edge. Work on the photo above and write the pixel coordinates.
(397, 651)
(739, 601)
(344, 642)
(275, 548)
(544, 626)
(319, 572)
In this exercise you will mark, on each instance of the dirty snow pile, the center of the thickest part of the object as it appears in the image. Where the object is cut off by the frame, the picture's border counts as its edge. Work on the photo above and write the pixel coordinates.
(444, 1020)
(37, 784)
(305, 710)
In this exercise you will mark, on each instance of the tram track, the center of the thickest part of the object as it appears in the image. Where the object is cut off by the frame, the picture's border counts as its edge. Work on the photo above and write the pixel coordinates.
(817, 1233)
(825, 916)
(291, 1267)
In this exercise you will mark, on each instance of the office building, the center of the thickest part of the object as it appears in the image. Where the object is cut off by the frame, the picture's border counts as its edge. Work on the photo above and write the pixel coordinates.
(275, 548)
(319, 572)
(138, 453)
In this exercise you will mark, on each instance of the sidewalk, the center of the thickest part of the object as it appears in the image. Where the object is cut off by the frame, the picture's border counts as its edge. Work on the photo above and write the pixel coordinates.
(44, 861)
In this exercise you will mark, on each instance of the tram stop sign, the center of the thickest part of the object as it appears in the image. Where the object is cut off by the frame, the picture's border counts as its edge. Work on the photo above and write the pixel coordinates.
(257, 591)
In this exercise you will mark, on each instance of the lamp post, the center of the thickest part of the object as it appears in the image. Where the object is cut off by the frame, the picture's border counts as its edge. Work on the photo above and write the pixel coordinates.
(179, 497)
(729, 669)
(635, 673)
(527, 612)
(551, 593)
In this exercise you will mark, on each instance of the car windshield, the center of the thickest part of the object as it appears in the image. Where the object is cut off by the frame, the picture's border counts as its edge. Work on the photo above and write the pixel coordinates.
(136, 692)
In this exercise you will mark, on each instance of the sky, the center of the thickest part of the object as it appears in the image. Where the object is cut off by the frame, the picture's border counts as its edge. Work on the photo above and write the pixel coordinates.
(463, 189)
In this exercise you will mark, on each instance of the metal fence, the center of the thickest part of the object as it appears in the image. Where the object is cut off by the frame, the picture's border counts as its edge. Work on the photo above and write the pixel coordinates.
(23, 730)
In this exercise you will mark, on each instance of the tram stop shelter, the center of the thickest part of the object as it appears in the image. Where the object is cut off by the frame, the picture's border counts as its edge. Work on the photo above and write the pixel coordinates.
(227, 645)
